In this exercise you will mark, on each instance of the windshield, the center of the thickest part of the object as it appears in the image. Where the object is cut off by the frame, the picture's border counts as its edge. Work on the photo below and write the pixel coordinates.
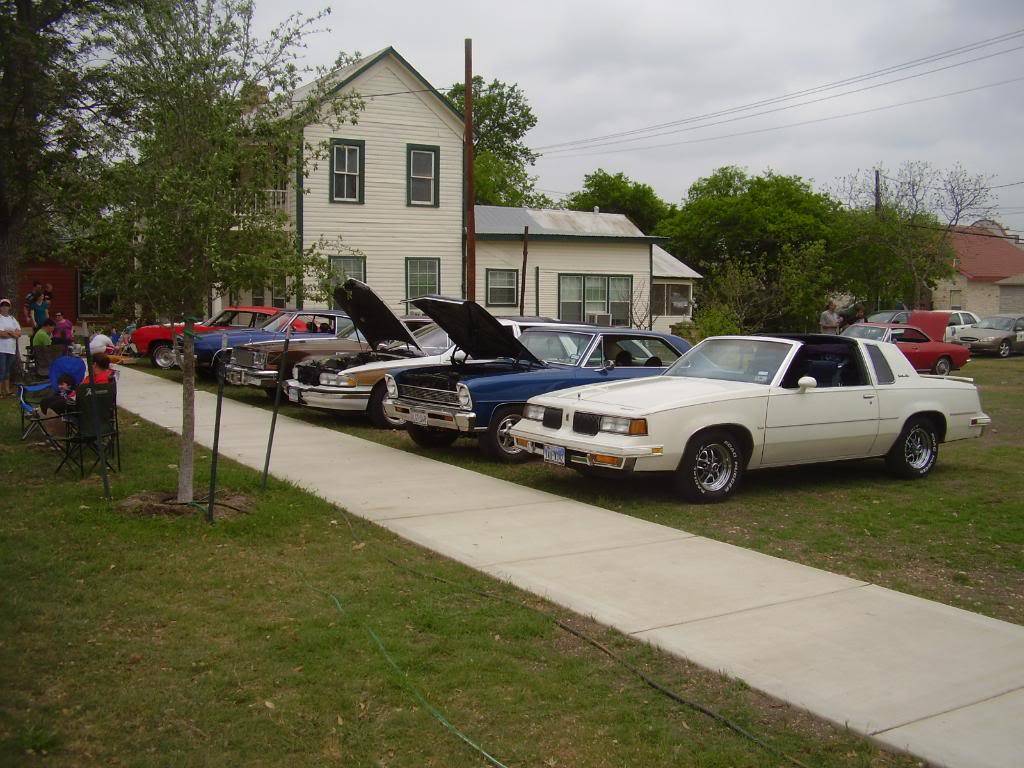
(432, 339)
(561, 347)
(872, 332)
(996, 323)
(747, 360)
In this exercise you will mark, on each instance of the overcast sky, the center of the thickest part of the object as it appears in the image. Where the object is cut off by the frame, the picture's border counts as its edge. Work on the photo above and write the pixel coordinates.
(596, 68)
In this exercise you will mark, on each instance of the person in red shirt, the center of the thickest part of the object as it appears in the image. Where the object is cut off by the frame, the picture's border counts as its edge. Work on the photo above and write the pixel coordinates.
(101, 373)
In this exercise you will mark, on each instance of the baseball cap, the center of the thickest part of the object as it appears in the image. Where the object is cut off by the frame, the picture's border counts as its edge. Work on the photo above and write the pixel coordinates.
(5, 301)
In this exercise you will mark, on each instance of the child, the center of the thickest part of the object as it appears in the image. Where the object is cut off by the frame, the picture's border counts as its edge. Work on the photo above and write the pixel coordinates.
(64, 398)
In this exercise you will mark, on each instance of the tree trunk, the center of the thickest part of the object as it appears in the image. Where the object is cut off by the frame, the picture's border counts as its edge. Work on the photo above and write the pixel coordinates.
(9, 258)
(188, 415)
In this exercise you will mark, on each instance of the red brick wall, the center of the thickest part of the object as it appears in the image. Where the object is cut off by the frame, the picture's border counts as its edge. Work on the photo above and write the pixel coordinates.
(65, 288)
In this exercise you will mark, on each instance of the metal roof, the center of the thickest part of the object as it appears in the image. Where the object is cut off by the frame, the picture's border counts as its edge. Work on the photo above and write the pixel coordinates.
(495, 222)
(664, 264)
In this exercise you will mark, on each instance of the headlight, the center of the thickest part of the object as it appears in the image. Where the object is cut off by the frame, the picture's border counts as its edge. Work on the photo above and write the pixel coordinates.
(259, 359)
(623, 426)
(389, 383)
(534, 412)
(336, 380)
(295, 372)
(465, 399)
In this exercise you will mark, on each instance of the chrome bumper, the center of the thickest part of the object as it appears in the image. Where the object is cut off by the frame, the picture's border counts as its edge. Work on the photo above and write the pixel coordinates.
(328, 398)
(432, 415)
(531, 437)
(251, 377)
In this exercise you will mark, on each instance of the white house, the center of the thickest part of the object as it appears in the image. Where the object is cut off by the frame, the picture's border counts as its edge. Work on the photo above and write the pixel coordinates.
(391, 186)
(671, 291)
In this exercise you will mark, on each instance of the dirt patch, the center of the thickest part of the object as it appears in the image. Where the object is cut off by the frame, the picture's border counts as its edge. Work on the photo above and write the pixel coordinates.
(162, 504)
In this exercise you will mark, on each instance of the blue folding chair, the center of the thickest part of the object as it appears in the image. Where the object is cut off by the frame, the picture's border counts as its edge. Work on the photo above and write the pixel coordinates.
(31, 395)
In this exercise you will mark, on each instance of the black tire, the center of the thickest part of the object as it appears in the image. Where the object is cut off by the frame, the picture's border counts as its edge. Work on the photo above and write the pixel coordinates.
(497, 442)
(916, 450)
(711, 467)
(1005, 348)
(943, 366)
(375, 409)
(427, 437)
(162, 356)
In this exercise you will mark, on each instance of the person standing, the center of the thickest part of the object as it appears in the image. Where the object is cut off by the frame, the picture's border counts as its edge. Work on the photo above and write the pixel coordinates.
(30, 297)
(829, 320)
(10, 332)
(40, 309)
(63, 331)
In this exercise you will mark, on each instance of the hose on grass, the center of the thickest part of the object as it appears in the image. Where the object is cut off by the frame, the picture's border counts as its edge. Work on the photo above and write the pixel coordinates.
(658, 686)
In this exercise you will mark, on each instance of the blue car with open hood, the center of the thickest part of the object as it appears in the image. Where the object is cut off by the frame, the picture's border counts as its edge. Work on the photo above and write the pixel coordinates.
(484, 396)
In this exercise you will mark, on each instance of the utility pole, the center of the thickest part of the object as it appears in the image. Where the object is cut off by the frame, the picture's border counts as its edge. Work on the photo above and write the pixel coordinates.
(522, 287)
(468, 173)
(878, 193)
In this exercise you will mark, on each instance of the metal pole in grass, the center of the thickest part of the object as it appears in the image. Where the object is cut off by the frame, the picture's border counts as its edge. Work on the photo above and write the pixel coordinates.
(277, 403)
(216, 433)
(96, 429)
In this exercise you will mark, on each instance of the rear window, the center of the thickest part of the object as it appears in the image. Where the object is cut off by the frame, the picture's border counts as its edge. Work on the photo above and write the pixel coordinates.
(883, 373)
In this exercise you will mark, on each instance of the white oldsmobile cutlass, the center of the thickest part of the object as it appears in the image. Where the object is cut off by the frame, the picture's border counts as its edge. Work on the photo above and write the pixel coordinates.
(737, 403)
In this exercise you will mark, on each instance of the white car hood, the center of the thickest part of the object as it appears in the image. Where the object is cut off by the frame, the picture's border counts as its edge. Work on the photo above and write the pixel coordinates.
(407, 362)
(658, 393)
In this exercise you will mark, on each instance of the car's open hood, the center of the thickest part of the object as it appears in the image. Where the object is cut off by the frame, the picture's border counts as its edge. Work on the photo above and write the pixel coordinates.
(473, 329)
(933, 323)
(375, 321)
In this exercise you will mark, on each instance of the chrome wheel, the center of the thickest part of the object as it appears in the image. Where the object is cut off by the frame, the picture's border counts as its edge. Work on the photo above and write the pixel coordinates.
(917, 448)
(1004, 349)
(164, 357)
(943, 366)
(713, 467)
(503, 435)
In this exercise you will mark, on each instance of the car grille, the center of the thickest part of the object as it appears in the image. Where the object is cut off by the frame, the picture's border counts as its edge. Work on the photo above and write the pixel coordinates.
(552, 418)
(968, 338)
(586, 423)
(308, 374)
(244, 358)
(445, 396)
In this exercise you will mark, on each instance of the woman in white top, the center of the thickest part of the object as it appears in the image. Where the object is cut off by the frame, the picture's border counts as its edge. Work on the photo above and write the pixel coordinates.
(10, 332)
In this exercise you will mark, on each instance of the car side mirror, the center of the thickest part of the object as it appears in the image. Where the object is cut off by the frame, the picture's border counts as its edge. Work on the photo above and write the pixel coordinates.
(459, 356)
(807, 382)
(609, 365)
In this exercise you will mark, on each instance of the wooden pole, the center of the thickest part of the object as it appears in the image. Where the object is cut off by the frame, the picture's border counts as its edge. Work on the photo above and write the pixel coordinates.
(522, 287)
(878, 193)
(468, 171)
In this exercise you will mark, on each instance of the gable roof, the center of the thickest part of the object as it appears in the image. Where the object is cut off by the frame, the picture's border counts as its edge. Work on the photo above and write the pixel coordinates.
(664, 264)
(1012, 280)
(495, 222)
(983, 257)
(345, 75)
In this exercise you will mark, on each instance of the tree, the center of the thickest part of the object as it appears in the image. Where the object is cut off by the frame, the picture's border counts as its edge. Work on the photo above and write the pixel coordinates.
(763, 244)
(49, 87)
(212, 122)
(617, 193)
(501, 119)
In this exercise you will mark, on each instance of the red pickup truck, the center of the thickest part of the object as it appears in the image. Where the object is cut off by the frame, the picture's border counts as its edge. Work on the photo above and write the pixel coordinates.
(157, 341)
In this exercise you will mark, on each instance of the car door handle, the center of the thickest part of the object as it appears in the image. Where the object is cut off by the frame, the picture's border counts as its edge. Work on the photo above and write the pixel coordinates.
(869, 397)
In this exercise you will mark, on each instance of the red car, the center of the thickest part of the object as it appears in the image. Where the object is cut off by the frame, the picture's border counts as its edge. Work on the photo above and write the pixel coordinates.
(918, 345)
(156, 341)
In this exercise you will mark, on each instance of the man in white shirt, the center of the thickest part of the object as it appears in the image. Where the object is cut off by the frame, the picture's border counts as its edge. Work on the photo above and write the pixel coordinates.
(829, 320)
(100, 343)
(10, 332)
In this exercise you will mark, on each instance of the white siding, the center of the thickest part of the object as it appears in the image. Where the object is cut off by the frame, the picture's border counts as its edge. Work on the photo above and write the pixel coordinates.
(384, 227)
(555, 257)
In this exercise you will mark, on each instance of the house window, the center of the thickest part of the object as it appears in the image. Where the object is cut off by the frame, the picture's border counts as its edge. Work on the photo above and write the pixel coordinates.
(93, 300)
(422, 184)
(502, 287)
(671, 299)
(422, 277)
(344, 267)
(582, 296)
(348, 169)
(259, 298)
(955, 299)
(279, 295)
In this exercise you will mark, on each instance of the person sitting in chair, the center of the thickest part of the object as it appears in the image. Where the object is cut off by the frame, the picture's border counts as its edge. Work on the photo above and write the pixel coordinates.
(101, 373)
(42, 337)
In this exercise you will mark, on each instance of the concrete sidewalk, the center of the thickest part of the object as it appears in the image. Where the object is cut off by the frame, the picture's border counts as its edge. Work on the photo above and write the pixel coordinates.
(944, 684)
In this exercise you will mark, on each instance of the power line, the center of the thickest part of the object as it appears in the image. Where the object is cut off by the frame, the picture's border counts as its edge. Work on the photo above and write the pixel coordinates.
(787, 106)
(799, 123)
(942, 189)
(807, 91)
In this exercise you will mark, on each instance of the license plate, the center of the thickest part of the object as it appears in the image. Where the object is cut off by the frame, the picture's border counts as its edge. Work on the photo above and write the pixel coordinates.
(554, 454)
(293, 394)
(234, 378)
(250, 380)
(418, 416)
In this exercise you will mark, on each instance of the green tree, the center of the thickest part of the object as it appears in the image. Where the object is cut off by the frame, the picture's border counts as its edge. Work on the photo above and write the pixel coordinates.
(617, 193)
(763, 244)
(212, 119)
(50, 84)
(501, 119)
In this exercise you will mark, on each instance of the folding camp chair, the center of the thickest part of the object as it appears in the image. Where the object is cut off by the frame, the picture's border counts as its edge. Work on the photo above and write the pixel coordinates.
(92, 430)
(31, 395)
(40, 359)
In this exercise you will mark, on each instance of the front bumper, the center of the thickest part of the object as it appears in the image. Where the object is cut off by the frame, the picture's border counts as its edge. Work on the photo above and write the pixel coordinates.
(238, 376)
(613, 452)
(984, 345)
(432, 415)
(328, 398)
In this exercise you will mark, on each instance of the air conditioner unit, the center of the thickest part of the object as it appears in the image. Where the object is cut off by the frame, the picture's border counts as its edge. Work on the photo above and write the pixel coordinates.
(601, 318)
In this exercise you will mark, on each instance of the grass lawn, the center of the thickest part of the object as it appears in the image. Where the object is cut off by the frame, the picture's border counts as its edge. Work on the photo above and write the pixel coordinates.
(956, 537)
(155, 641)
